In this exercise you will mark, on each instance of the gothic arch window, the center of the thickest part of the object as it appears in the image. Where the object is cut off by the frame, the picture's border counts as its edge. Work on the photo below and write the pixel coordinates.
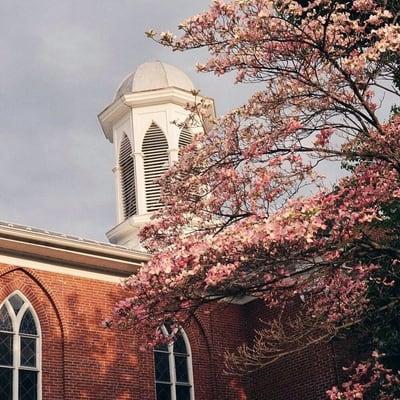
(20, 346)
(173, 369)
(156, 162)
(127, 173)
(185, 137)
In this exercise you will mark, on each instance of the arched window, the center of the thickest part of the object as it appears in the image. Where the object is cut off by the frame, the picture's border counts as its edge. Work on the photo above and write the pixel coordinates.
(19, 350)
(156, 162)
(127, 167)
(185, 137)
(173, 369)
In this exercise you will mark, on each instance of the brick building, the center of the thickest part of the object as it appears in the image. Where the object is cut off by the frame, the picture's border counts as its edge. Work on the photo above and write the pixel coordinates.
(55, 289)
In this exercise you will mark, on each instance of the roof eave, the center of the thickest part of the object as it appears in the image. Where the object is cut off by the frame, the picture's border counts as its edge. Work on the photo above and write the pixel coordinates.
(90, 256)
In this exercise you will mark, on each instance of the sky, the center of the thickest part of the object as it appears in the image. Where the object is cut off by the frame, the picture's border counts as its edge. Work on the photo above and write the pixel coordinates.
(60, 64)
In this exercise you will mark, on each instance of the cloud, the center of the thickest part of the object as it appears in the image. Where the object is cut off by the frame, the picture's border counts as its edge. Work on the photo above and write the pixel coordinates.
(60, 64)
(72, 51)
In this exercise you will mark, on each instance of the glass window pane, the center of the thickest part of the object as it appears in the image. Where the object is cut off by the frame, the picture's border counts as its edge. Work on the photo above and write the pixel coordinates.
(6, 383)
(167, 327)
(6, 349)
(28, 325)
(162, 347)
(163, 391)
(161, 361)
(16, 303)
(180, 345)
(28, 352)
(5, 320)
(181, 369)
(27, 385)
(182, 392)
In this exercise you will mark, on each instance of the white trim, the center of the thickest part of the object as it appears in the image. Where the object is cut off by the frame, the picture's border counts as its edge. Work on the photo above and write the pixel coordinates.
(18, 243)
(16, 322)
(126, 233)
(59, 269)
(172, 367)
(189, 362)
(120, 106)
(78, 244)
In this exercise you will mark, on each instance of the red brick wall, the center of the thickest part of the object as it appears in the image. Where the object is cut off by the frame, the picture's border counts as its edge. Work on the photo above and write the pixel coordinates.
(303, 376)
(224, 327)
(81, 360)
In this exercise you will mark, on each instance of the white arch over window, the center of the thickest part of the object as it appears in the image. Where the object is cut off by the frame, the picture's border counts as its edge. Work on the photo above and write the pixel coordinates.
(156, 162)
(20, 350)
(173, 368)
(127, 175)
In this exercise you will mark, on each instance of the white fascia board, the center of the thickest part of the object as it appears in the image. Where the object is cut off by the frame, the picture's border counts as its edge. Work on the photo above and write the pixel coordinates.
(111, 114)
(123, 231)
(58, 268)
(160, 96)
(142, 99)
(87, 255)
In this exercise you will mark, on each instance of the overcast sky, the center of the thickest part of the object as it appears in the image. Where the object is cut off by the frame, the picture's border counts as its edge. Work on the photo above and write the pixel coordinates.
(60, 64)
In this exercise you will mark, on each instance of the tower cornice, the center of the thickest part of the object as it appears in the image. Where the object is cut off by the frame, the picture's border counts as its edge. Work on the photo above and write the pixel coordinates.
(126, 233)
(123, 104)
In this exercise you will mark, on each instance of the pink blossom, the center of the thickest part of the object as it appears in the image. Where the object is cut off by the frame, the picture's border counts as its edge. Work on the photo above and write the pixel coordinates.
(246, 210)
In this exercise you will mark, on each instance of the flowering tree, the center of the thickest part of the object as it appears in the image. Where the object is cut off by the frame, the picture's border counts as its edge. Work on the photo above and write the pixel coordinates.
(246, 211)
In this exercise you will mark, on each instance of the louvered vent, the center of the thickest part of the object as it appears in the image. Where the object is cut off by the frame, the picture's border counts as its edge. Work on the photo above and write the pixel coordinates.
(185, 137)
(127, 167)
(155, 155)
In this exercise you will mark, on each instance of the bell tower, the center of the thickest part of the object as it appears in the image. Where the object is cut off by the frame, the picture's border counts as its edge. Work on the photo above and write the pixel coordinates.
(140, 124)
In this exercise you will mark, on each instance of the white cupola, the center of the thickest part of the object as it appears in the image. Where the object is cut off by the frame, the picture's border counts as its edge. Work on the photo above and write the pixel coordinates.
(141, 123)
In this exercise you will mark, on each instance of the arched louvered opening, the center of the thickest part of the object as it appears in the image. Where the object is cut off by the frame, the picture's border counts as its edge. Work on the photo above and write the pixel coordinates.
(185, 137)
(127, 168)
(20, 346)
(155, 158)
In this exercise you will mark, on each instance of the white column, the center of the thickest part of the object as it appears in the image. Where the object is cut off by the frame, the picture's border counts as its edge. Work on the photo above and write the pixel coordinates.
(140, 183)
(117, 178)
(173, 155)
(173, 136)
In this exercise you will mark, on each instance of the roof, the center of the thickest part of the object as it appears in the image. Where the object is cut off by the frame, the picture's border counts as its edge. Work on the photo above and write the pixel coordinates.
(154, 75)
(41, 244)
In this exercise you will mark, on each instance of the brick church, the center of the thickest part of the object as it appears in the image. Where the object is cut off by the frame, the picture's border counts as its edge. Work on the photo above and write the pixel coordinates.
(56, 289)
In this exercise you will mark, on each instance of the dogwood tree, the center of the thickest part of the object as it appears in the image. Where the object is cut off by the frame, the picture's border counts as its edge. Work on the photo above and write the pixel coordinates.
(247, 212)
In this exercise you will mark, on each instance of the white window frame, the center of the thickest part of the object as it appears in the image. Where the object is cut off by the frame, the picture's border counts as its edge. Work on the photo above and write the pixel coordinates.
(172, 369)
(16, 322)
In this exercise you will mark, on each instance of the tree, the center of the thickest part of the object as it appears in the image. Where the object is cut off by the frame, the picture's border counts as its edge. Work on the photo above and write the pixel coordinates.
(246, 212)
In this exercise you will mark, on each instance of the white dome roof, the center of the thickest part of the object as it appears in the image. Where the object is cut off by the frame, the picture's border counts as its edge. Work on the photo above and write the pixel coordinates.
(154, 75)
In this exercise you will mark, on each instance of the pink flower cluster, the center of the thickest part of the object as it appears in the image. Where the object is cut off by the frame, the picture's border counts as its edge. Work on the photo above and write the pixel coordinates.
(367, 377)
(246, 210)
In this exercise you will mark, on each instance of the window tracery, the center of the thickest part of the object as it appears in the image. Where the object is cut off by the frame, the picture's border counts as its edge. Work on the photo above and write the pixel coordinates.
(19, 350)
(173, 368)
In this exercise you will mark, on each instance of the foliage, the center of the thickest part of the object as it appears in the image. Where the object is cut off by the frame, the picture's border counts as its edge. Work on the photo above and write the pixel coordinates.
(370, 380)
(246, 212)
